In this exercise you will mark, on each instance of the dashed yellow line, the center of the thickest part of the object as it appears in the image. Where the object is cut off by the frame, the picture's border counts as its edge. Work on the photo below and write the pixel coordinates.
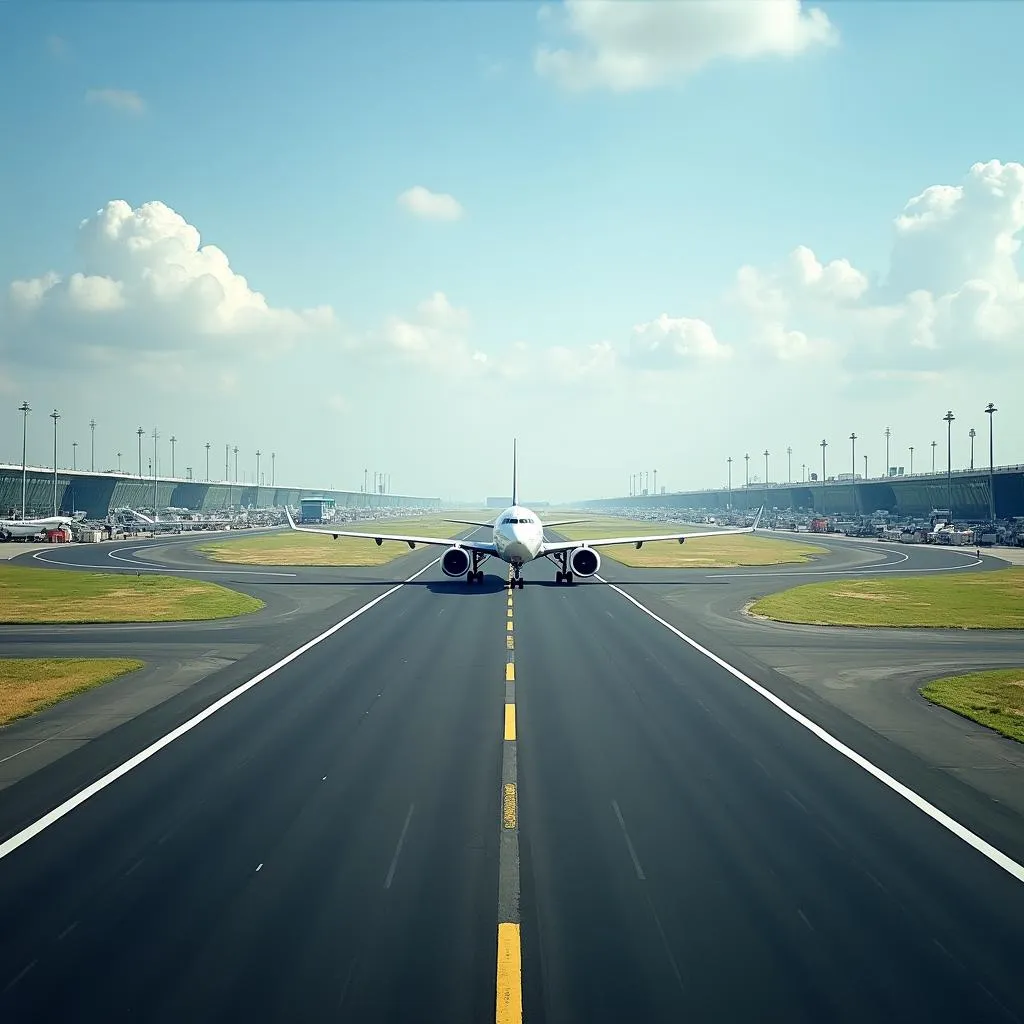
(508, 626)
(510, 672)
(510, 721)
(509, 816)
(510, 643)
(508, 1007)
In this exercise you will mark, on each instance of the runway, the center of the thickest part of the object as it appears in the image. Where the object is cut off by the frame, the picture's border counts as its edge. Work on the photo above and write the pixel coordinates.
(326, 845)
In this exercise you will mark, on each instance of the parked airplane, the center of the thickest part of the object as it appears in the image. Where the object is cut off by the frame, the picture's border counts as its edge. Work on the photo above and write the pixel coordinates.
(518, 537)
(31, 527)
(175, 525)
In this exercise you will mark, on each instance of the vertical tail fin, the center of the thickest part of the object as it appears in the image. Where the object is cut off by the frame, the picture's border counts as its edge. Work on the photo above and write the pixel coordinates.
(515, 477)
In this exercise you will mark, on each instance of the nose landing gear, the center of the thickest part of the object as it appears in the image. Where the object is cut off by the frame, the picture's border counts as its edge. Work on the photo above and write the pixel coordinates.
(516, 580)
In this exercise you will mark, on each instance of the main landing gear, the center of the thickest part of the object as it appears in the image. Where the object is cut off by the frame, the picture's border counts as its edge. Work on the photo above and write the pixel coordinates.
(475, 574)
(517, 579)
(564, 574)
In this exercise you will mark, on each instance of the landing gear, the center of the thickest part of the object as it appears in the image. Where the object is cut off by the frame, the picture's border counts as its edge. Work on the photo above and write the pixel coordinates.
(476, 574)
(517, 580)
(564, 574)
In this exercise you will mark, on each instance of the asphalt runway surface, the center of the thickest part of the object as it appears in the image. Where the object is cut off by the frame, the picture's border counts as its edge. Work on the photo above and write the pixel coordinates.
(331, 843)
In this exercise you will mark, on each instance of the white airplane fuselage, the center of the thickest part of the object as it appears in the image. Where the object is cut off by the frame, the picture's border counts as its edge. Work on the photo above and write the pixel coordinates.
(31, 527)
(518, 535)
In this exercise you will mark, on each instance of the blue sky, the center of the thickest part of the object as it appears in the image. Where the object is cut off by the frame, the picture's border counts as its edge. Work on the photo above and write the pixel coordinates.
(284, 133)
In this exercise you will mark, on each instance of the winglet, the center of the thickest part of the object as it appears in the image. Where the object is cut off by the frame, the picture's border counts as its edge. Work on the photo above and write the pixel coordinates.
(514, 474)
(757, 518)
(288, 513)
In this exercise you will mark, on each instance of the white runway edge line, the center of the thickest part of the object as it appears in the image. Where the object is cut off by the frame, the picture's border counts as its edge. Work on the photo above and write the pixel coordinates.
(997, 857)
(22, 837)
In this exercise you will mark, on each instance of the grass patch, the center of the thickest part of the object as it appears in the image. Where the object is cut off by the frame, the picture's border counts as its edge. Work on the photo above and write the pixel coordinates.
(28, 685)
(286, 547)
(702, 553)
(994, 699)
(51, 595)
(977, 600)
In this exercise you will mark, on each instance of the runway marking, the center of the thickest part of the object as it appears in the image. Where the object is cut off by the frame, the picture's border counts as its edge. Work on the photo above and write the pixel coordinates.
(509, 813)
(509, 1003)
(162, 569)
(30, 831)
(629, 843)
(510, 721)
(398, 848)
(508, 999)
(879, 571)
(986, 849)
(510, 643)
(21, 974)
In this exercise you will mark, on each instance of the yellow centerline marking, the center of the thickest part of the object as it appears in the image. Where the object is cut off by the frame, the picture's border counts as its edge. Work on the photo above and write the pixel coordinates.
(508, 806)
(510, 721)
(508, 626)
(510, 643)
(508, 1007)
(510, 672)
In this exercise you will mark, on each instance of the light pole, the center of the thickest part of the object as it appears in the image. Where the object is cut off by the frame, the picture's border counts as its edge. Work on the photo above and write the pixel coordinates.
(173, 441)
(24, 409)
(155, 436)
(74, 455)
(949, 417)
(911, 460)
(92, 446)
(257, 478)
(824, 445)
(227, 472)
(865, 467)
(972, 434)
(273, 459)
(934, 443)
(746, 482)
(655, 481)
(990, 409)
(789, 463)
(54, 416)
(207, 461)
(766, 469)
(119, 462)
(728, 501)
(236, 463)
(888, 434)
(853, 468)
(140, 432)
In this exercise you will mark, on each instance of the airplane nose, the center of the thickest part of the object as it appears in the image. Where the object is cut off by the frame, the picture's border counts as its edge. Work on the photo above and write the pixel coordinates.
(518, 551)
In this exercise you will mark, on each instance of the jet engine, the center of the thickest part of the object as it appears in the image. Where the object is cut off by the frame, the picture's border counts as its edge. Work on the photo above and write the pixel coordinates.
(455, 562)
(584, 561)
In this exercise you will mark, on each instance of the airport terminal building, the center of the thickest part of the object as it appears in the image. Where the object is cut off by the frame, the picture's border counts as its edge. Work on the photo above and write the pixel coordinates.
(98, 494)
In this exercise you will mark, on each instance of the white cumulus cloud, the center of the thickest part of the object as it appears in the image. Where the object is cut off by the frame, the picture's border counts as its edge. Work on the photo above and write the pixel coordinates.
(421, 202)
(147, 281)
(669, 342)
(117, 99)
(626, 45)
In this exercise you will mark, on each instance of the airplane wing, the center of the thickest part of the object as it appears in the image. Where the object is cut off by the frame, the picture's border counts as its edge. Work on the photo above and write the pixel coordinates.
(470, 522)
(565, 545)
(562, 522)
(447, 542)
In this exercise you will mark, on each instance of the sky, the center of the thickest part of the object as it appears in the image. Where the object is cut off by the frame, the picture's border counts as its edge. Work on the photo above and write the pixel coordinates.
(393, 236)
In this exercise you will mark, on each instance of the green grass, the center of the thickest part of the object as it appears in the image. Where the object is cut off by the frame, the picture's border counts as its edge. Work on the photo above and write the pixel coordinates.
(703, 553)
(994, 699)
(52, 595)
(28, 685)
(286, 547)
(975, 600)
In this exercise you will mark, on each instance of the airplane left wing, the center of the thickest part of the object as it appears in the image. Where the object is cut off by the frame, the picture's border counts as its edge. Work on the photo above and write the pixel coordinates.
(412, 540)
(566, 545)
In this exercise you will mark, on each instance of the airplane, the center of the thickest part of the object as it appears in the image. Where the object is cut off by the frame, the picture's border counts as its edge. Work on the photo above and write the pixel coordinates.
(176, 525)
(518, 537)
(31, 527)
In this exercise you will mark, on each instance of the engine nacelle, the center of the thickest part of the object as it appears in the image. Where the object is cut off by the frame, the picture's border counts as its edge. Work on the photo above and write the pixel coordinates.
(584, 561)
(455, 562)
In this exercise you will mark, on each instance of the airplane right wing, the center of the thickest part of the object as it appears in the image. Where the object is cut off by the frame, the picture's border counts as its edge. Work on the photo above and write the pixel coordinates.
(485, 547)
(566, 545)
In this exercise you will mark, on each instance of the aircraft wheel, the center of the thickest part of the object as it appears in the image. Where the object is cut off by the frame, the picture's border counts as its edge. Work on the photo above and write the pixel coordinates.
(568, 578)
(470, 577)
(479, 575)
(558, 576)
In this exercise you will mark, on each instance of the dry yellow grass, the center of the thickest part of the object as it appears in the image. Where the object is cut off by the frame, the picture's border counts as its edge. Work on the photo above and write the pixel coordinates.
(287, 547)
(28, 685)
(49, 595)
(702, 553)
